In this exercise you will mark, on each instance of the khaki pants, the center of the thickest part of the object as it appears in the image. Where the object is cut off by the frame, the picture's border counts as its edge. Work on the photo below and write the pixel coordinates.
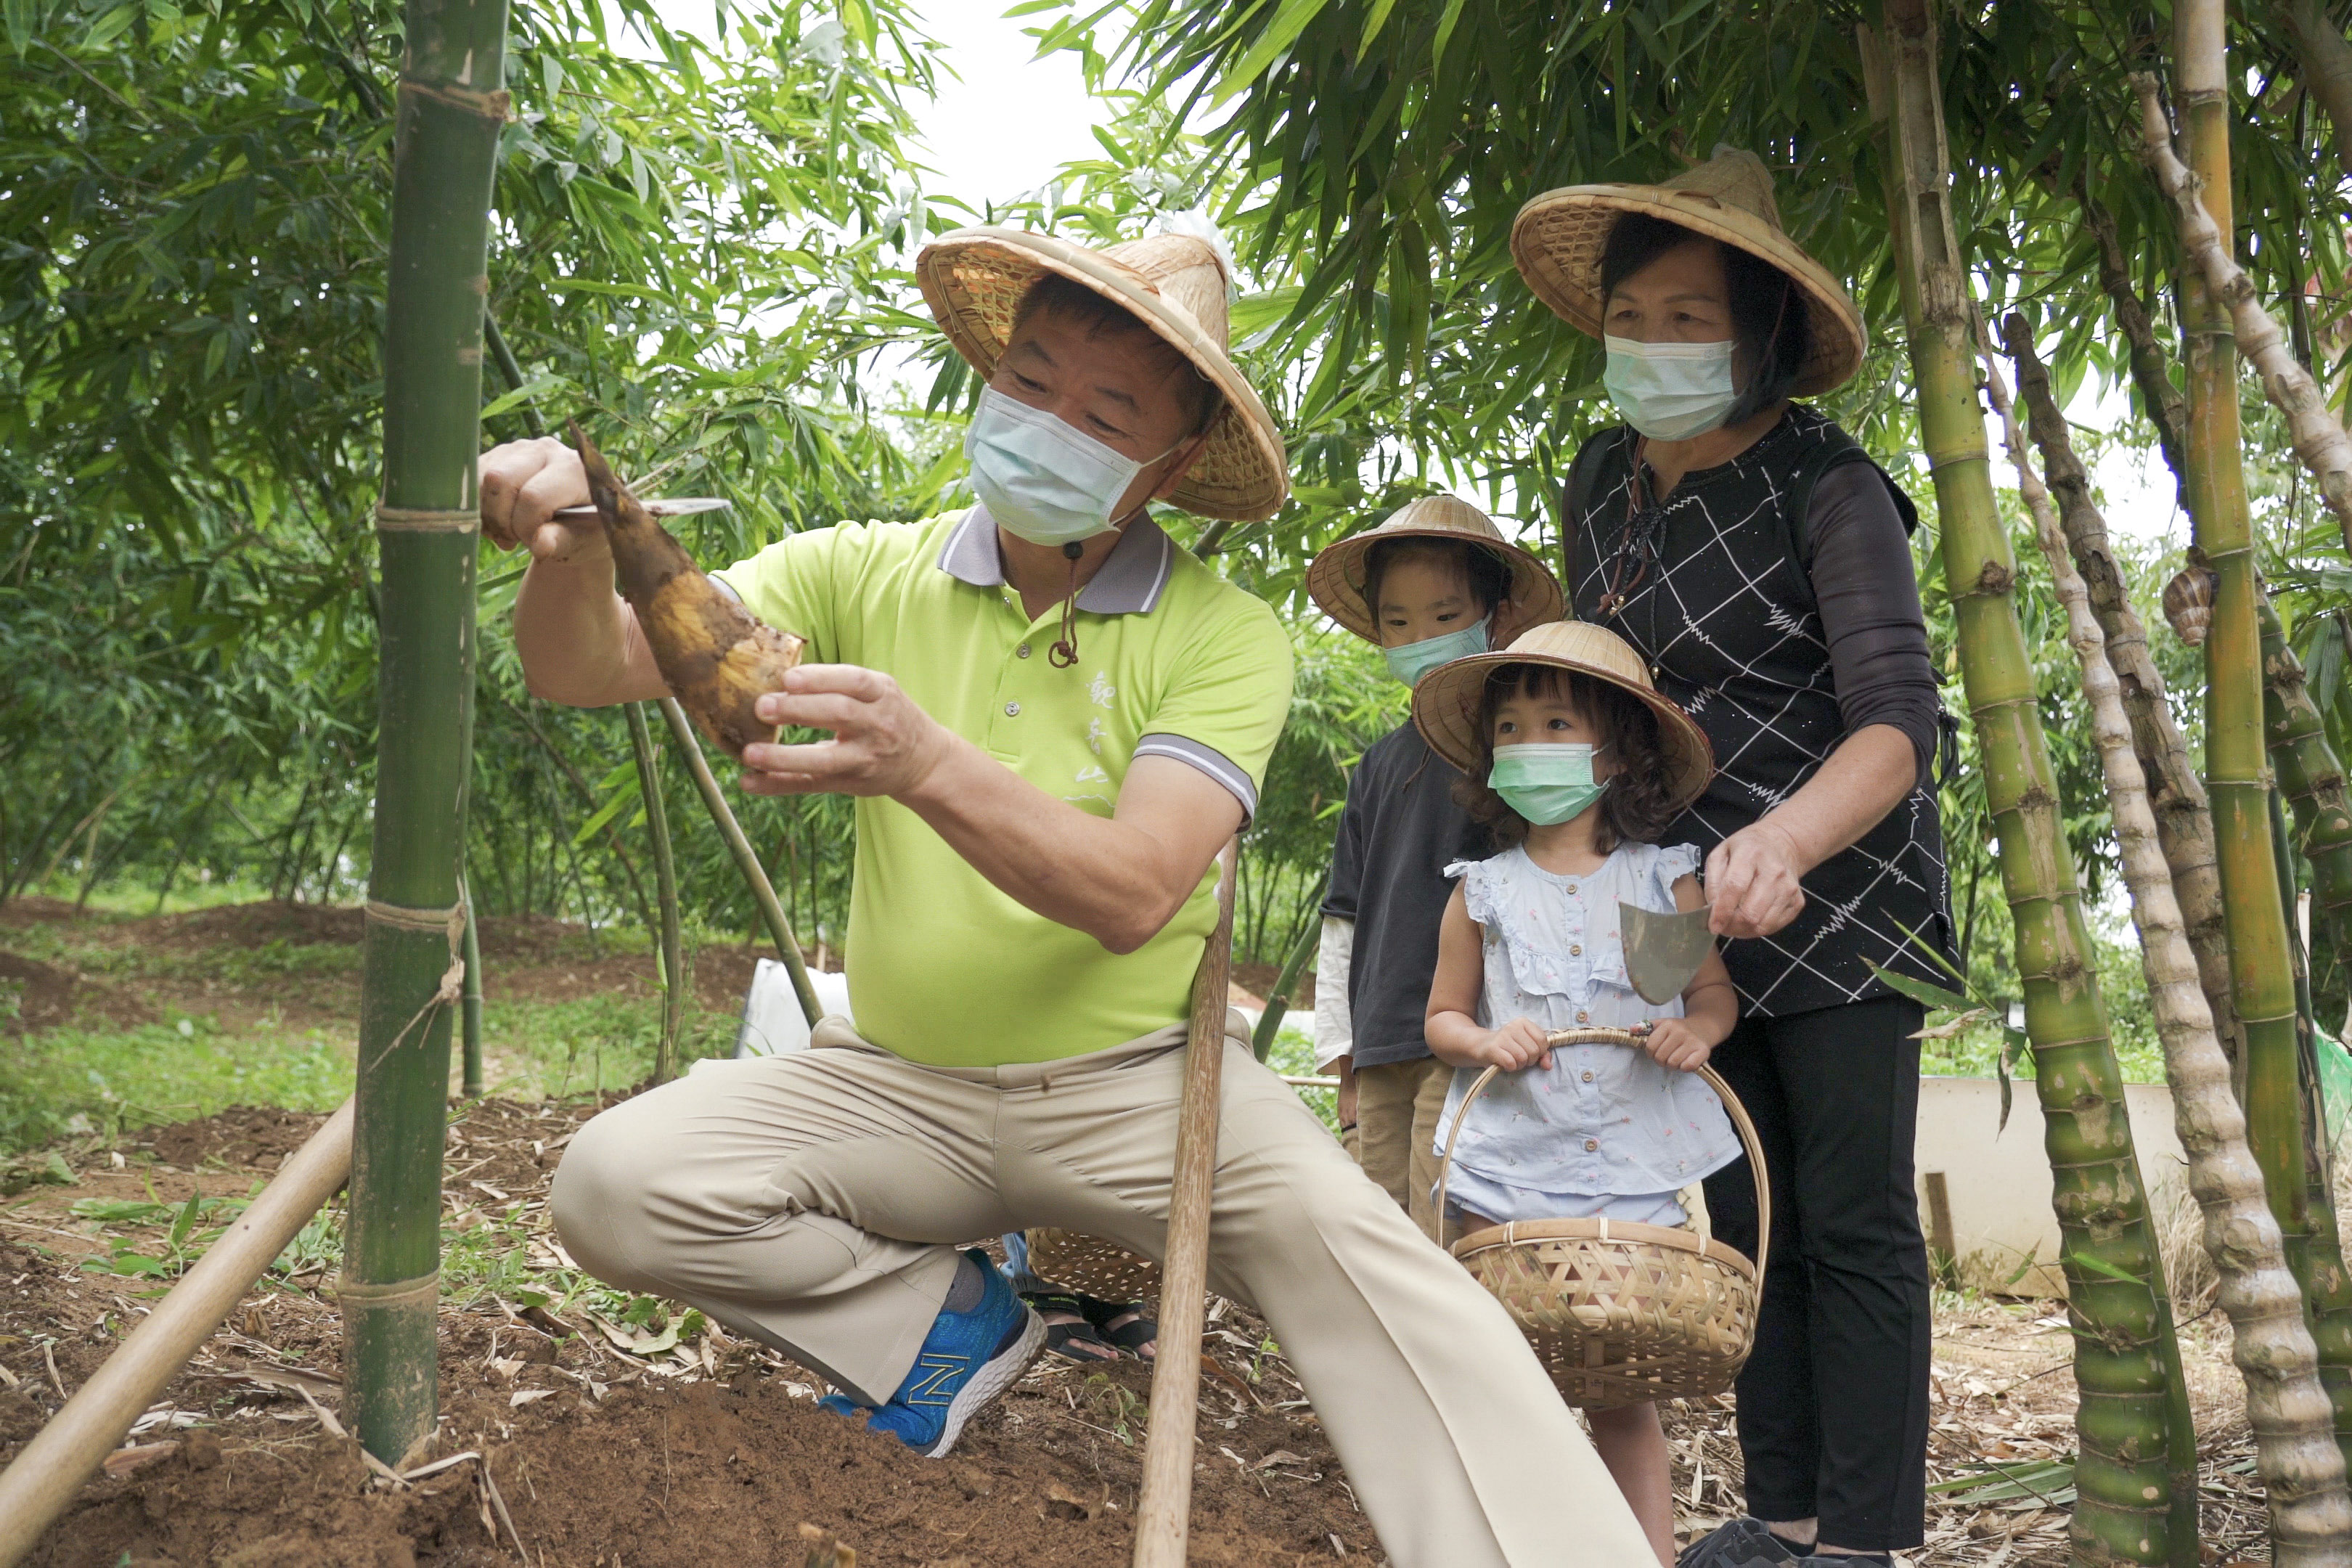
(1397, 1107)
(811, 1200)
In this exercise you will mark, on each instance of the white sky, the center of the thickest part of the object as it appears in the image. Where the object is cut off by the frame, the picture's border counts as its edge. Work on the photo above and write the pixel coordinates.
(1002, 123)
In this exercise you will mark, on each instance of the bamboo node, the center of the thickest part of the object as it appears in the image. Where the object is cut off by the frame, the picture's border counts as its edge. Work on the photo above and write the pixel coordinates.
(426, 519)
(390, 1293)
(438, 922)
(496, 107)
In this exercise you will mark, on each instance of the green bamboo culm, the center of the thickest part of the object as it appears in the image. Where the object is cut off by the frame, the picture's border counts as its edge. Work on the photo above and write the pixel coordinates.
(2312, 779)
(2316, 1255)
(2136, 1473)
(671, 937)
(2254, 898)
(452, 107)
(1277, 1005)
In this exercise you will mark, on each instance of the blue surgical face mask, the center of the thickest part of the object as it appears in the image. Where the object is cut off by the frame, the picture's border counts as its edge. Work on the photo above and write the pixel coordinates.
(1409, 661)
(1042, 478)
(1548, 783)
(1671, 391)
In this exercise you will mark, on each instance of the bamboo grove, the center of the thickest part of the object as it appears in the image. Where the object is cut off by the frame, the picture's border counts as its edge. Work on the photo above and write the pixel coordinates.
(240, 646)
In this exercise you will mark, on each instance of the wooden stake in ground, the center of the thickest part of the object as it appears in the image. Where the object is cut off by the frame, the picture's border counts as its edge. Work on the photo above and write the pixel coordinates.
(445, 153)
(2293, 1421)
(50, 1470)
(1162, 1513)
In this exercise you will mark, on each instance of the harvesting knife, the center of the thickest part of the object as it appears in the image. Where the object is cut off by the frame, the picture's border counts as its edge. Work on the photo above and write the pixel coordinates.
(677, 506)
(1663, 952)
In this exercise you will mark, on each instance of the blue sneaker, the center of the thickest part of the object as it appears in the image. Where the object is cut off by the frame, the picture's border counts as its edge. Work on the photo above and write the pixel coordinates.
(968, 1359)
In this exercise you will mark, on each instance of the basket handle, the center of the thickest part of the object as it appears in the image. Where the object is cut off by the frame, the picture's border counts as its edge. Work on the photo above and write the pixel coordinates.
(1632, 1038)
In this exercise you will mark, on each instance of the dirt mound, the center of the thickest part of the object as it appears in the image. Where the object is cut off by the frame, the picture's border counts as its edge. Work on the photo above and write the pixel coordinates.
(257, 1137)
(49, 996)
(256, 925)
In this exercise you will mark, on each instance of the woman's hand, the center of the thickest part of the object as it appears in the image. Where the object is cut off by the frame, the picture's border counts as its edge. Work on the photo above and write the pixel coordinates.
(1673, 1043)
(1752, 878)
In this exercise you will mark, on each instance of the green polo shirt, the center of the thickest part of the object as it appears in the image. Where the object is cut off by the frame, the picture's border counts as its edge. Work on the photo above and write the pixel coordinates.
(1173, 662)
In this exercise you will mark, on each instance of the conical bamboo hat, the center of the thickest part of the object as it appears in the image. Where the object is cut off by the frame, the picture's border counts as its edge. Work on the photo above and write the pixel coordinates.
(1559, 237)
(1174, 284)
(1336, 576)
(1445, 704)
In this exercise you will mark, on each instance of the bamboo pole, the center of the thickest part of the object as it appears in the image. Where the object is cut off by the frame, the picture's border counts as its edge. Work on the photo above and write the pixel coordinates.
(450, 114)
(670, 936)
(1162, 1510)
(2184, 818)
(2236, 757)
(2327, 67)
(472, 1015)
(1277, 1005)
(747, 861)
(2312, 780)
(48, 1471)
(2135, 1476)
(2289, 1411)
(2201, 199)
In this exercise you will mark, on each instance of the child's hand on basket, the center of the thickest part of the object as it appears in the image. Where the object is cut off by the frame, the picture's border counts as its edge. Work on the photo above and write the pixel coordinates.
(1518, 1044)
(1674, 1043)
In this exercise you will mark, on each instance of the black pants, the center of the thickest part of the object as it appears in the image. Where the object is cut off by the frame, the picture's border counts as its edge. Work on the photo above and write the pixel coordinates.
(1833, 1403)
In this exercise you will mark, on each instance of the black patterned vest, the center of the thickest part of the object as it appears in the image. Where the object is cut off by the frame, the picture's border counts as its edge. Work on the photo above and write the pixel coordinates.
(1724, 612)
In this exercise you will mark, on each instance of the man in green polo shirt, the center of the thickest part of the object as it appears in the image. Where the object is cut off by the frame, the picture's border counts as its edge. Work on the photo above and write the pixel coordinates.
(1052, 720)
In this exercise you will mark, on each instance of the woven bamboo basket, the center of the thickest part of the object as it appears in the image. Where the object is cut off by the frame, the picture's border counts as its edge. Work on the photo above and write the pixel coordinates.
(1091, 1266)
(1618, 1313)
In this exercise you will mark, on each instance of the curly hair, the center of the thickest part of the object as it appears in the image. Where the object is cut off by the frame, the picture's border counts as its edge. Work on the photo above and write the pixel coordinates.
(1638, 804)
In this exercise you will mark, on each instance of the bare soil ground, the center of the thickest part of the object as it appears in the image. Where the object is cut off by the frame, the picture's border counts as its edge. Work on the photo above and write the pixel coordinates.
(610, 1437)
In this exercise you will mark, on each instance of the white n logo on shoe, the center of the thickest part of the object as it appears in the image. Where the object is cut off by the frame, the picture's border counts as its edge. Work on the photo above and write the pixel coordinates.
(936, 1373)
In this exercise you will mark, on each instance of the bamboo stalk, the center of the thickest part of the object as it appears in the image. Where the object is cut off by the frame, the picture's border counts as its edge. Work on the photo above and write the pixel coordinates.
(2160, 401)
(1163, 1509)
(2202, 201)
(670, 936)
(43, 1479)
(2236, 758)
(2312, 780)
(2327, 67)
(1269, 1023)
(472, 1015)
(2135, 1475)
(2184, 818)
(746, 860)
(2286, 1407)
(451, 112)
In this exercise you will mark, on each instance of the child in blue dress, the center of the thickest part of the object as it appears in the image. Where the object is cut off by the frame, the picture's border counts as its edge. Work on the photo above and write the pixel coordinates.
(1577, 767)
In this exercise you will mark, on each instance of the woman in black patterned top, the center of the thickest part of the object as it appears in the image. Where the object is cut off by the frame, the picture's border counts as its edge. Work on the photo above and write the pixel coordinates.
(1760, 563)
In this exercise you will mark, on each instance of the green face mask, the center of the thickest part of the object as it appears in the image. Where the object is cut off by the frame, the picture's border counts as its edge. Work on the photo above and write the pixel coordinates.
(1548, 783)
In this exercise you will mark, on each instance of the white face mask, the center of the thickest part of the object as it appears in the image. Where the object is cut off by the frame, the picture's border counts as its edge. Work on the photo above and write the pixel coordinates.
(1042, 478)
(1671, 391)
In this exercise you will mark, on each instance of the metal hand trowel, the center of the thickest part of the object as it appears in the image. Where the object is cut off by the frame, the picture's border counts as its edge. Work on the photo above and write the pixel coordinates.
(1663, 952)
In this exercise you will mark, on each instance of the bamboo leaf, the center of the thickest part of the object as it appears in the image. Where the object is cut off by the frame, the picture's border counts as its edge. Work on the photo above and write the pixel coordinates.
(1280, 33)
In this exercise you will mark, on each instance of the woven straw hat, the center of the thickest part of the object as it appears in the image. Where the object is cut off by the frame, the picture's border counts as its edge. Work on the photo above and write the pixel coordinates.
(1172, 283)
(1445, 704)
(1336, 576)
(1557, 238)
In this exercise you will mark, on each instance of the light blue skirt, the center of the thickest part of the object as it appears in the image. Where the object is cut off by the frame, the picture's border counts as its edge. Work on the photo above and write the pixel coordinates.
(1468, 1192)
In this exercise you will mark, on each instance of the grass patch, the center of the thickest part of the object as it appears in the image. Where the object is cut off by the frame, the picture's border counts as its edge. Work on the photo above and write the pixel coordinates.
(70, 1081)
(553, 1049)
